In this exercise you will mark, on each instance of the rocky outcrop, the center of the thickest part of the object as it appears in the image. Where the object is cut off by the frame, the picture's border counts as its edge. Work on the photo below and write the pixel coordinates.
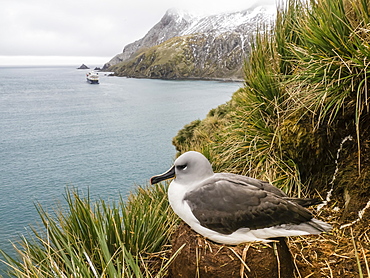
(83, 66)
(182, 46)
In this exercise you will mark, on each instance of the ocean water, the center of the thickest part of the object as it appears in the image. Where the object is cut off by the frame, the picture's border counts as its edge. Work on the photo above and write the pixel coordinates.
(56, 130)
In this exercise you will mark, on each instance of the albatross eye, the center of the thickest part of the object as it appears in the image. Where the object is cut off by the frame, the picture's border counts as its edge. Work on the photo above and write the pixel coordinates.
(181, 167)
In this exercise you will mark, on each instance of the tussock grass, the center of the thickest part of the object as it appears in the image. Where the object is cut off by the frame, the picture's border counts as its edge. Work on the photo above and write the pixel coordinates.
(332, 59)
(96, 239)
(252, 142)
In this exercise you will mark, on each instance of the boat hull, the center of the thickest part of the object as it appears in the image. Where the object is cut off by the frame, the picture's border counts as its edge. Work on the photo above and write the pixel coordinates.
(92, 81)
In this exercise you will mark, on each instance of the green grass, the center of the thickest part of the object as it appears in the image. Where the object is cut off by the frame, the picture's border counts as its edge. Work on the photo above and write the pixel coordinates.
(96, 239)
(333, 60)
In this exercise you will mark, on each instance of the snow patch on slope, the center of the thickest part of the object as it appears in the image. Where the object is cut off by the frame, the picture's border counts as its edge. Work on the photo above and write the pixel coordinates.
(226, 22)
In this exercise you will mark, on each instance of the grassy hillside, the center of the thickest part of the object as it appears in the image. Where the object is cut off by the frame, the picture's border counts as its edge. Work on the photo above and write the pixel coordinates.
(301, 121)
(194, 56)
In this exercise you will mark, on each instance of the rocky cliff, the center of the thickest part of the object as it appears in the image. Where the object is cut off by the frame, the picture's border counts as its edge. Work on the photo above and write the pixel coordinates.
(183, 46)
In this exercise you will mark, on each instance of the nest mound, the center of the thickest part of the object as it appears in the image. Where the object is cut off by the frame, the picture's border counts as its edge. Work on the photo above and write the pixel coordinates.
(200, 257)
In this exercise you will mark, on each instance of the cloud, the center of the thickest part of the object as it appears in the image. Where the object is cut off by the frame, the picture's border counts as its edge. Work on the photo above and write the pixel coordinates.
(86, 27)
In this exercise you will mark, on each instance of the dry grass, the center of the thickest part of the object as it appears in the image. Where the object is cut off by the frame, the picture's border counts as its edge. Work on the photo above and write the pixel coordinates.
(344, 252)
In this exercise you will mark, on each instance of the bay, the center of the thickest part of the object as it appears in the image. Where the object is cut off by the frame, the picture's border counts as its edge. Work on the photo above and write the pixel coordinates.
(56, 130)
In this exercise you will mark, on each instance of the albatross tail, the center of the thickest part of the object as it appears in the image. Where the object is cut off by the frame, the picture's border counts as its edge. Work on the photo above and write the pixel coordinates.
(313, 227)
(319, 225)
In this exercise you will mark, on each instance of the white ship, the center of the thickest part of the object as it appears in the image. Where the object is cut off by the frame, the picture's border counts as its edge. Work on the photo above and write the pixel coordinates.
(92, 77)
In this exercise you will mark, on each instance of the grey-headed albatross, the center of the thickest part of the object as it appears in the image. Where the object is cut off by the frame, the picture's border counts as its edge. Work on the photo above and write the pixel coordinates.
(233, 209)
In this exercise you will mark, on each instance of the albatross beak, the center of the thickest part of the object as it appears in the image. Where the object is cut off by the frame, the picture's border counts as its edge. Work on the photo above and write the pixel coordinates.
(165, 176)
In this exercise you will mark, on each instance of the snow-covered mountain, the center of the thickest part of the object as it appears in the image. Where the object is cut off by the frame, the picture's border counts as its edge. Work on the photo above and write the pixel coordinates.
(229, 22)
(209, 38)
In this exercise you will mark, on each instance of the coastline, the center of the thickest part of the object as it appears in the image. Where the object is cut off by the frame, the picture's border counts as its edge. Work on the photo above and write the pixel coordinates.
(181, 79)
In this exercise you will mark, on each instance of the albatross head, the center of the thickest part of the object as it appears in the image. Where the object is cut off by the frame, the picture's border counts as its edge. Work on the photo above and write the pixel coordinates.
(188, 168)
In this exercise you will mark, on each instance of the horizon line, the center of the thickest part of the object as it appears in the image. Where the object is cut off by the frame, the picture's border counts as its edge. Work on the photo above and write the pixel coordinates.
(38, 60)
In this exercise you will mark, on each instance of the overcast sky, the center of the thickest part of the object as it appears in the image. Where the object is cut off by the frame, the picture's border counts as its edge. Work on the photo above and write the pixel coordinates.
(98, 29)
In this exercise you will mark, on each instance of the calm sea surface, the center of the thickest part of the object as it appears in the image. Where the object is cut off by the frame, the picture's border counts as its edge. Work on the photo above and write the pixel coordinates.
(56, 130)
